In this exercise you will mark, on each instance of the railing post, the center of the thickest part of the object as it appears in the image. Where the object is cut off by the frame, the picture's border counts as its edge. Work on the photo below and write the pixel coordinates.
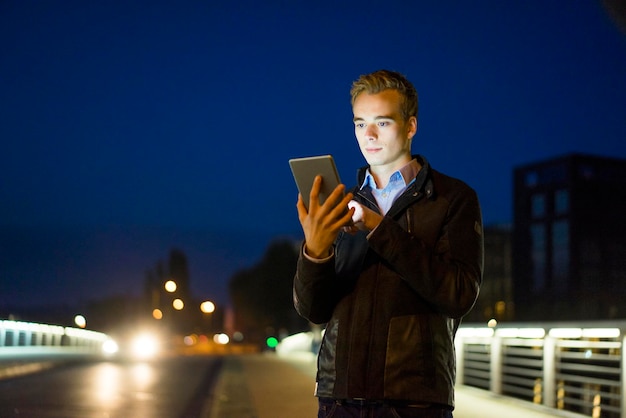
(623, 378)
(496, 365)
(549, 371)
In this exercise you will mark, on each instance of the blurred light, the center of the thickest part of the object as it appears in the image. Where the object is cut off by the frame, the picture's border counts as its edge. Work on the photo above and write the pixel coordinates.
(521, 332)
(106, 378)
(110, 347)
(178, 304)
(170, 286)
(207, 307)
(475, 332)
(145, 346)
(143, 377)
(566, 332)
(189, 340)
(302, 342)
(601, 333)
(80, 321)
(492, 323)
(500, 308)
(85, 334)
(221, 339)
(238, 336)
(271, 342)
(157, 313)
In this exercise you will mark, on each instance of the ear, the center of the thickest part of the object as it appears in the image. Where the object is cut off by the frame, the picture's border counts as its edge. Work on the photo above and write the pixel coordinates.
(412, 127)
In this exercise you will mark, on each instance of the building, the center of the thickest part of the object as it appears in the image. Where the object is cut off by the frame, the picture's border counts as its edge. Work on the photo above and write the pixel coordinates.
(569, 245)
(496, 291)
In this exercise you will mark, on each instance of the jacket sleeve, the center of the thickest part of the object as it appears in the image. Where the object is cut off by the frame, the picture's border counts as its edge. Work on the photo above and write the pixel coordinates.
(316, 289)
(447, 273)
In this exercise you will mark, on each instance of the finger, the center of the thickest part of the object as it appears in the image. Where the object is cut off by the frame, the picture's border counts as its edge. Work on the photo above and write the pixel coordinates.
(302, 212)
(336, 196)
(314, 199)
(343, 217)
(339, 209)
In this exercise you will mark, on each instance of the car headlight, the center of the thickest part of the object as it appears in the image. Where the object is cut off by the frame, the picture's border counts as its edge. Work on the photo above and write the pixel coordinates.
(109, 347)
(145, 346)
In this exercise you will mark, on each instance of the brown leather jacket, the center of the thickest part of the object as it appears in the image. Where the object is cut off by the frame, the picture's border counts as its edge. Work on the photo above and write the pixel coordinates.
(393, 302)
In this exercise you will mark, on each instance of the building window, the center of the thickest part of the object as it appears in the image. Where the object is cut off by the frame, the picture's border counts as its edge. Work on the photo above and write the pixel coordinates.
(532, 178)
(538, 254)
(560, 255)
(538, 205)
(561, 202)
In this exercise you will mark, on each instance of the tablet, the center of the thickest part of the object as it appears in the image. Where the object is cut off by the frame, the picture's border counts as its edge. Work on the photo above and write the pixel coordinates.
(304, 171)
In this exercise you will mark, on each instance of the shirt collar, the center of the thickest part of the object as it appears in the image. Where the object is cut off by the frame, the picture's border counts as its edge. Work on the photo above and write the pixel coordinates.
(407, 173)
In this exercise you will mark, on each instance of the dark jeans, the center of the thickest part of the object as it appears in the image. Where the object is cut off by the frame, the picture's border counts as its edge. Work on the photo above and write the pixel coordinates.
(329, 408)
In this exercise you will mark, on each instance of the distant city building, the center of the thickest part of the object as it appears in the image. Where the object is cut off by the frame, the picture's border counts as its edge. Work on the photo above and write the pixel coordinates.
(496, 292)
(569, 247)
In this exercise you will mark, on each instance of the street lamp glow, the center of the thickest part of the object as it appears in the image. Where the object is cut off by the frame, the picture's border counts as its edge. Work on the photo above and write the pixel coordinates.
(207, 307)
(170, 286)
(80, 321)
(178, 304)
(157, 313)
(221, 339)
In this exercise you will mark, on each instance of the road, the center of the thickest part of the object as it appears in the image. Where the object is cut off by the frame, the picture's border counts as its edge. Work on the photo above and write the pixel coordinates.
(175, 387)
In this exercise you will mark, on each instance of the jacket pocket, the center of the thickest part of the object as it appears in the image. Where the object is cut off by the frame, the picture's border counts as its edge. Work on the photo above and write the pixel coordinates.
(407, 363)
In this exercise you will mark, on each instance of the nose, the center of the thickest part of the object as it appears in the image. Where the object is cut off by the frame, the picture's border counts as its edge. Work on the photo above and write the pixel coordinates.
(371, 134)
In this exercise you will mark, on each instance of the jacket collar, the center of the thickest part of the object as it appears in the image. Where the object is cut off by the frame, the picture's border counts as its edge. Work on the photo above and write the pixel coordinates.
(422, 182)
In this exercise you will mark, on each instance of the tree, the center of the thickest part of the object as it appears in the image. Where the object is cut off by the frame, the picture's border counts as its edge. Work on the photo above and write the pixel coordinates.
(262, 296)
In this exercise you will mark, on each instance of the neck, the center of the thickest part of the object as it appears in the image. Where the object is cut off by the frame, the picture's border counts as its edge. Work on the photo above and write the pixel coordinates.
(382, 173)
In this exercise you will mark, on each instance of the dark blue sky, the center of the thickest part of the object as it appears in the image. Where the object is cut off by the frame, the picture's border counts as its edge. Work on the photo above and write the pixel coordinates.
(129, 129)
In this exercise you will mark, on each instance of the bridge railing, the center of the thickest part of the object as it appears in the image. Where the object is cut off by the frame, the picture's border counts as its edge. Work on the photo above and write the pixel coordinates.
(570, 367)
(21, 337)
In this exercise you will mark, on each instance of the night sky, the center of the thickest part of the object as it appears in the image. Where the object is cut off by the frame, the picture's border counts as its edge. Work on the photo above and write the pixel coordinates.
(131, 128)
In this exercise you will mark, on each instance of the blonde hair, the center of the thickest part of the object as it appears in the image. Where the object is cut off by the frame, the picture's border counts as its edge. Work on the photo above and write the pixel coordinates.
(381, 80)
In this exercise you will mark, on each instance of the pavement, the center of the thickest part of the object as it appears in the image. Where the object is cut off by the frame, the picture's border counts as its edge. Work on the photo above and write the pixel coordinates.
(268, 385)
(271, 386)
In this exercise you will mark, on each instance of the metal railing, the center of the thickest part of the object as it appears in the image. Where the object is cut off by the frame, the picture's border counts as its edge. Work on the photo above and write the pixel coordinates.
(569, 367)
(24, 337)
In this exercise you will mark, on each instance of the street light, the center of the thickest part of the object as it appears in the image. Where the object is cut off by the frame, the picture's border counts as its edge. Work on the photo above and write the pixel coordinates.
(207, 306)
(170, 286)
(178, 304)
(80, 321)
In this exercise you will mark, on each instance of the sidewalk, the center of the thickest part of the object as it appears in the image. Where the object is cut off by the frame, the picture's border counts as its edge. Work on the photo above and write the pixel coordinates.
(265, 386)
(269, 386)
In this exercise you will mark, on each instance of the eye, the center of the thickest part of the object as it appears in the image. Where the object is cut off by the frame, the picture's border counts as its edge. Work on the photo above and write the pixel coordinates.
(383, 123)
(359, 125)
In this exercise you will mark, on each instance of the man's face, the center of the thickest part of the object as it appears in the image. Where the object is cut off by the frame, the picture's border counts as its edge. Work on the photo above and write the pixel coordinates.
(383, 135)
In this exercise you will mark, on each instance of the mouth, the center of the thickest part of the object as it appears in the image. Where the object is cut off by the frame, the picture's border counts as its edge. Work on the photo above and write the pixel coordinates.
(373, 150)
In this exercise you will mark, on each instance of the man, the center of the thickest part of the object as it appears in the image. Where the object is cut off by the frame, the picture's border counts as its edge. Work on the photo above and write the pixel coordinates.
(393, 275)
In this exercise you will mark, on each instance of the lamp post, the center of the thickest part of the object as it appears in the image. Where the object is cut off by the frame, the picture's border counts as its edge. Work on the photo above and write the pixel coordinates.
(207, 307)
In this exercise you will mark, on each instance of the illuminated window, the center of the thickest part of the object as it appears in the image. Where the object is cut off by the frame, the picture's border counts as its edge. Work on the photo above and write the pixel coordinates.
(538, 205)
(561, 202)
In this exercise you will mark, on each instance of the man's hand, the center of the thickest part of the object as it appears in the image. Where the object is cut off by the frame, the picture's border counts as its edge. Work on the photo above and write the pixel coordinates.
(363, 218)
(321, 223)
